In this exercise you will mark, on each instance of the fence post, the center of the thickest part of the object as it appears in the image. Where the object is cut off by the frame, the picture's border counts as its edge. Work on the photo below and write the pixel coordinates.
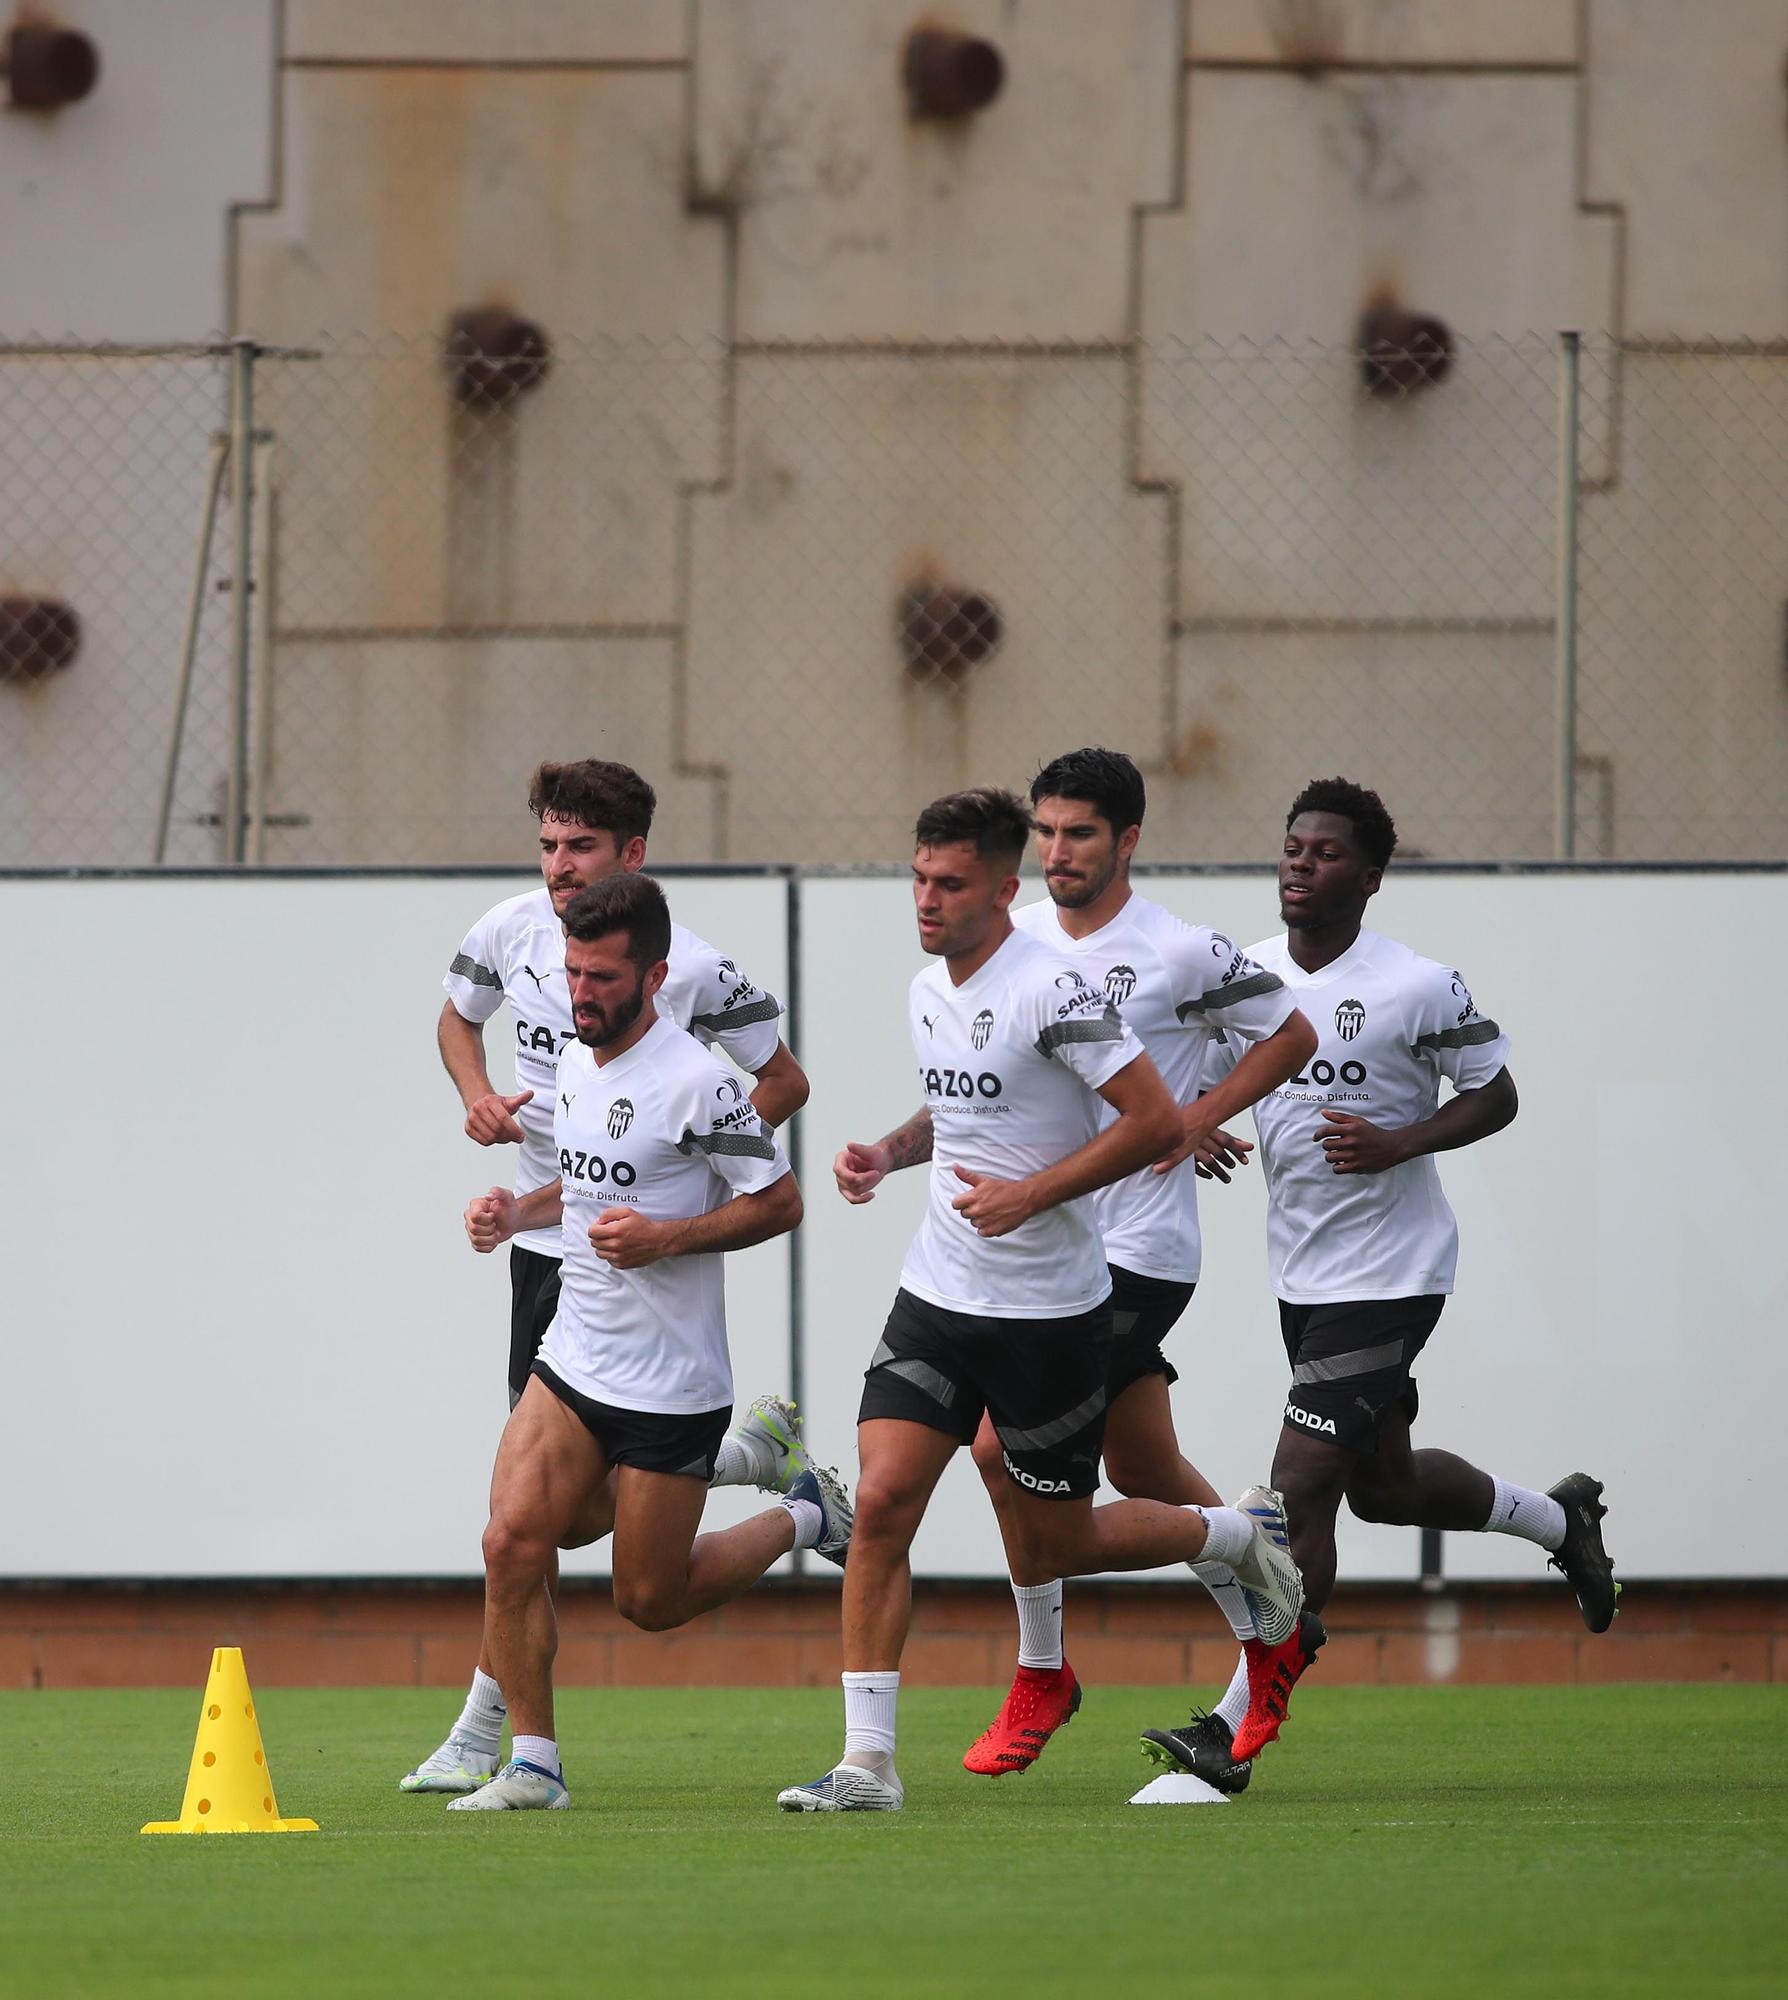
(1564, 796)
(243, 353)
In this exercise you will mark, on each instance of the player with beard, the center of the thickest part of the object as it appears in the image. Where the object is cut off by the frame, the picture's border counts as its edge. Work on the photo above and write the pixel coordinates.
(1176, 985)
(594, 817)
(1004, 1306)
(1363, 1246)
(663, 1167)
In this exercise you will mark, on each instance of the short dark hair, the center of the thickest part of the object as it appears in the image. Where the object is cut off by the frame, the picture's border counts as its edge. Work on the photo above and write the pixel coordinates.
(612, 798)
(994, 822)
(1107, 779)
(1372, 825)
(631, 903)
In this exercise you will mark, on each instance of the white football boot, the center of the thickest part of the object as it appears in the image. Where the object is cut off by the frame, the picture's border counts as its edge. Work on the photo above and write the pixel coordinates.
(770, 1431)
(1270, 1580)
(517, 1787)
(849, 1788)
(458, 1766)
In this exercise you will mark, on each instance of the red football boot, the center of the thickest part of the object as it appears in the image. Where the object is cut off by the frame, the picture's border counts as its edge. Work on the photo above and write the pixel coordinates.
(1273, 1671)
(1041, 1701)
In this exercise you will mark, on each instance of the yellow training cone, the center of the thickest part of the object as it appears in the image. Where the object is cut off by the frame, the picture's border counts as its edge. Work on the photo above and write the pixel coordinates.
(228, 1787)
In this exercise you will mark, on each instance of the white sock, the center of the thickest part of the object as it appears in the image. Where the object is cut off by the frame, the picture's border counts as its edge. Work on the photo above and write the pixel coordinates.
(540, 1751)
(1535, 1517)
(1234, 1704)
(1039, 1624)
(869, 1701)
(810, 1522)
(1228, 1536)
(736, 1465)
(481, 1720)
(1219, 1579)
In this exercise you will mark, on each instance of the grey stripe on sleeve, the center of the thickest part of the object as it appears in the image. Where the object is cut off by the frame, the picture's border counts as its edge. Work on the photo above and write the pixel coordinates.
(1338, 1367)
(740, 1145)
(765, 1009)
(1058, 1430)
(1228, 996)
(1473, 1035)
(1108, 1028)
(469, 968)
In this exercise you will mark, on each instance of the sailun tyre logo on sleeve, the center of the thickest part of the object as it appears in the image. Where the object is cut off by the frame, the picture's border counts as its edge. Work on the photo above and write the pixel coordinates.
(620, 1116)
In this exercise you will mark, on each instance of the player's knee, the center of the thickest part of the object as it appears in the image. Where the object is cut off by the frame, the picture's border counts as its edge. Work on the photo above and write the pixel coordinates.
(510, 1547)
(1137, 1475)
(989, 1459)
(887, 1511)
(651, 1604)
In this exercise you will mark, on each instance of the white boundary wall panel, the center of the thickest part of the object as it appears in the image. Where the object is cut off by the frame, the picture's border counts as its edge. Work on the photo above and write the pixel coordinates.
(245, 1335)
(1618, 1309)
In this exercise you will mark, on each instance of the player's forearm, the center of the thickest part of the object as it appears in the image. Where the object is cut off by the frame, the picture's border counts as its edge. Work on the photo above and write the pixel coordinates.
(782, 1088)
(736, 1224)
(1263, 1067)
(1124, 1148)
(541, 1207)
(908, 1145)
(1463, 1119)
(461, 1043)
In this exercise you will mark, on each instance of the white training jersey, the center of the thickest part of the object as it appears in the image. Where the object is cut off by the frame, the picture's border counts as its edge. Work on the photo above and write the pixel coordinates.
(1390, 1025)
(516, 952)
(1176, 984)
(1010, 1062)
(665, 1129)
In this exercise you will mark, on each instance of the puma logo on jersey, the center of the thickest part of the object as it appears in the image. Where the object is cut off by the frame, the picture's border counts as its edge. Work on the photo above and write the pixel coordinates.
(566, 1101)
(930, 1024)
(1309, 1420)
(537, 978)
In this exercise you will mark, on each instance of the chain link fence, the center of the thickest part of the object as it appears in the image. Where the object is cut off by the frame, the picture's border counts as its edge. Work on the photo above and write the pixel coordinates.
(328, 606)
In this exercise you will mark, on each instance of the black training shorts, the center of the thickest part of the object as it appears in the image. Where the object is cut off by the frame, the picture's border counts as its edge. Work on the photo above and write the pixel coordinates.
(1144, 1312)
(651, 1440)
(533, 1304)
(1041, 1381)
(1350, 1363)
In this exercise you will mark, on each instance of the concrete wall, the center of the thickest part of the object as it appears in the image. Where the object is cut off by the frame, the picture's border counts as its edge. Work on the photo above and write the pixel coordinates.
(1201, 537)
(248, 1339)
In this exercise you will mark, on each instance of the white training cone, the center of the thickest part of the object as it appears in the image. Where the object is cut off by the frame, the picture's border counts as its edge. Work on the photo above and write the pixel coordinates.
(1179, 1788)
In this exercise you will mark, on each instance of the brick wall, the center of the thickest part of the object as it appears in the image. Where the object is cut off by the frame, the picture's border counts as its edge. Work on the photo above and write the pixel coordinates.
(408, 1635)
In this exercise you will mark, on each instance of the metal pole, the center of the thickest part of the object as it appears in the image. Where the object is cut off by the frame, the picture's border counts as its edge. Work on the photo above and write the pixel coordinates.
(791, 1139)
(242, 424)
(261, 514)
(189, 645)
(1564, 795)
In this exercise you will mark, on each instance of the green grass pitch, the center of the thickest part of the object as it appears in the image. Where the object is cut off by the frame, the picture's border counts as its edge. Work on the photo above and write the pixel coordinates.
(1452, 1843)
